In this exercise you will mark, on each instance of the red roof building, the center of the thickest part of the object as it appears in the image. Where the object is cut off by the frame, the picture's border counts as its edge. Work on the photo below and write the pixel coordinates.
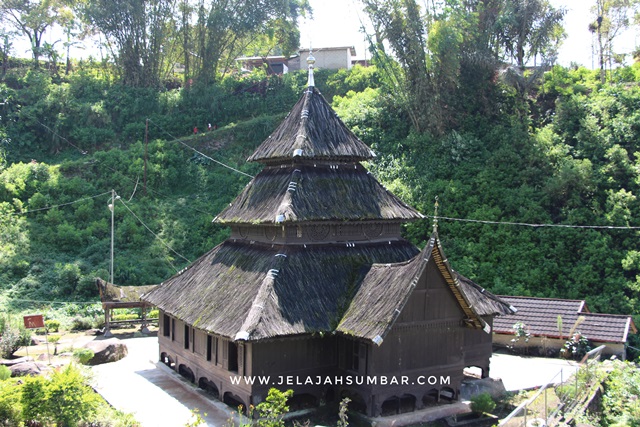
(541, 319)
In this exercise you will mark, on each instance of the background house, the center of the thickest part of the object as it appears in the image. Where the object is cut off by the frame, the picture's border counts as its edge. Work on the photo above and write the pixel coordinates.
(327, 58)
(540, 316)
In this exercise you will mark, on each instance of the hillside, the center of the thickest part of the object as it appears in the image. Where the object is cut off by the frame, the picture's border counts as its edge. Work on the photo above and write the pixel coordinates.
(564, 155)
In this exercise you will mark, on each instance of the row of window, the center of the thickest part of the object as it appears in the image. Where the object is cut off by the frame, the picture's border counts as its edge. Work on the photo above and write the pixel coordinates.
(219, 351)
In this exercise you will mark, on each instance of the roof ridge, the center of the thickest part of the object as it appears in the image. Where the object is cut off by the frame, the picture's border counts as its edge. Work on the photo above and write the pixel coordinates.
(254, 316)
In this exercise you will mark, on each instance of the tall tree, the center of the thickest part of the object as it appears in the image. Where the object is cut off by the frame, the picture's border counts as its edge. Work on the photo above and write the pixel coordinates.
(226, 27)
(137, 34)
(32, 18)
(612, 17)
(528, 28)
(436, 47)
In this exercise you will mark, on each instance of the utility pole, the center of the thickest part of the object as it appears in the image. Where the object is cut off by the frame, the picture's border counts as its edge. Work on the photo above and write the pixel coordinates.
(146, 144)
(112, 208)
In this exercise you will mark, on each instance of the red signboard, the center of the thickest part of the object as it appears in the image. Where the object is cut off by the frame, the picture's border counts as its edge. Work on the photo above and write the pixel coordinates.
(34, 322)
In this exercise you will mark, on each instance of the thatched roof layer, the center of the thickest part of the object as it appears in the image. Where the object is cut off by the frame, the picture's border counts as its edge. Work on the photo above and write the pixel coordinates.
(315, 193)
(312, 130)
(262, 291)
(386, 289)
(110, 293)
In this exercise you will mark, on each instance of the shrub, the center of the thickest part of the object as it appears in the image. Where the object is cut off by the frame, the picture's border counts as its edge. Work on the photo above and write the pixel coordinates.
(65, 398)
(125, 316)
(52, 325)
(11, 339)
(83, 355)
(10, 407)
(274, 407)
(482, 403)
(5, 373)
(576, 347)
(81, 323)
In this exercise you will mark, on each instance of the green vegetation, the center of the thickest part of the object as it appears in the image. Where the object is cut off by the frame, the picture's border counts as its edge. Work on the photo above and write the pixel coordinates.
(274, 408)
(62, 399)
(552, 145)
(482, 403)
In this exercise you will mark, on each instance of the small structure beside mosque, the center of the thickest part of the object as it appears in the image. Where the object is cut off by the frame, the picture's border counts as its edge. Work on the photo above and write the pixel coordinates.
(317, 291)
(551, 321)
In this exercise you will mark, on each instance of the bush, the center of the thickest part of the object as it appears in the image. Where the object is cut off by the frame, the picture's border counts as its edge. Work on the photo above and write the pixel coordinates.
(64, 399)
(81, 323)
(83, 355)
(12, 338)
(52, 325)
(482, 403)
(10, 406)
(5, 373)
(125, 316)
(274, 408)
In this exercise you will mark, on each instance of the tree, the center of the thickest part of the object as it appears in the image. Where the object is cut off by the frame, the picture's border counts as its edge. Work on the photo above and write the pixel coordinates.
(528, 28)
(226, 28)
(137, 35)
(32, 18)
(612, 17)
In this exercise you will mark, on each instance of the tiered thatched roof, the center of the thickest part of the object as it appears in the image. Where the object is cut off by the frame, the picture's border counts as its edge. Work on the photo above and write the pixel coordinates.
(315, 193)
(311, 131)
(252, 291)
(257, 291)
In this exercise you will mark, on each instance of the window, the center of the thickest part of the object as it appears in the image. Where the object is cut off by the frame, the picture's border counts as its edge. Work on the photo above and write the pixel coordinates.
(232, 356)
(209, 347)
(355, 356)
(186, 336)
(166, 325)
(173, 329)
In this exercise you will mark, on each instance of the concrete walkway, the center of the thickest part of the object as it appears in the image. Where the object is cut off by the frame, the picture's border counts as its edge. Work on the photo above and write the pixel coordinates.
(519, 373)
(154, 394)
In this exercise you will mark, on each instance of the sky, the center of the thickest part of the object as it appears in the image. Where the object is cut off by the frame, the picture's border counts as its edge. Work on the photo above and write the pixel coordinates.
(338, 23)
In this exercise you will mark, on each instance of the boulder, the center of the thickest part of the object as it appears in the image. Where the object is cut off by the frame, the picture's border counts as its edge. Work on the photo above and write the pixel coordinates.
(11, 362)
(27, 368)
(105, 351)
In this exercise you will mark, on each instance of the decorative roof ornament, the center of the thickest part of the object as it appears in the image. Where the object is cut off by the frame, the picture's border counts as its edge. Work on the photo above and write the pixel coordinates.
(310, 61)
(435, 215)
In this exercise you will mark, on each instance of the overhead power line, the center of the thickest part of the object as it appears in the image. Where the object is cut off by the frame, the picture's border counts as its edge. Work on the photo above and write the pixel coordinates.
(151, 231)
(524, 224)
(178, 140)
(60, 205)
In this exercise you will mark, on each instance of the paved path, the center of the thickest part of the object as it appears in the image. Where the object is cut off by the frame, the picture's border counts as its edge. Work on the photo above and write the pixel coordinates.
(518, 373)
(155, 395)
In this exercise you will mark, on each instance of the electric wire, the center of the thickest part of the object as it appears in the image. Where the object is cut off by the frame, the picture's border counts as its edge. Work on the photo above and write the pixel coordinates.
(53, 302)
(60, 205)
(178, 140)
(524, 224)
(151, 231)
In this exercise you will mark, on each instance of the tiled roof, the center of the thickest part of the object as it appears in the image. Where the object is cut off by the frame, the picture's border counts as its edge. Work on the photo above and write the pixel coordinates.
(540, 315)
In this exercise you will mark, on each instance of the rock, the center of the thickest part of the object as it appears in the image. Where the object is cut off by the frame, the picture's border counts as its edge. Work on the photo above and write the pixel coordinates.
(105, 351)
(27, 368)
(473, 387)
(11, 362)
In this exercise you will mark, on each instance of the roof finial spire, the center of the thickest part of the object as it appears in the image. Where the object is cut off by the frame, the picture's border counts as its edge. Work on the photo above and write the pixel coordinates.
(435, 215)
(311, 60)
